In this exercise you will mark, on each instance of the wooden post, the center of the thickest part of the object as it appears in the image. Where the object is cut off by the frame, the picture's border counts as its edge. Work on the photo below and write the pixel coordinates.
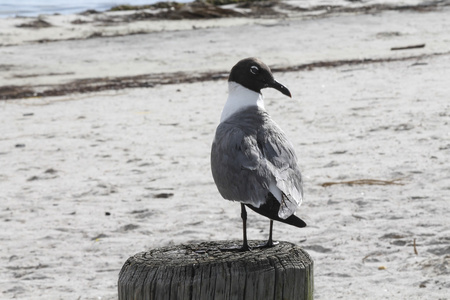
(203, 272)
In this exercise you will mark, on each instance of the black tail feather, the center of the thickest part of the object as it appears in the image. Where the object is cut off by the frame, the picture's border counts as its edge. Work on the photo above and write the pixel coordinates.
(270, 210)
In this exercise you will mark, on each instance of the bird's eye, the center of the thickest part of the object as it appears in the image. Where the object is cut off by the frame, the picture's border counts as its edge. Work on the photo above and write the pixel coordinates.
(254, 70)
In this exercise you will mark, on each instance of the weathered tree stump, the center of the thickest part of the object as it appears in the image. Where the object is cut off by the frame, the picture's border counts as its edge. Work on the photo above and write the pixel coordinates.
(202, 271)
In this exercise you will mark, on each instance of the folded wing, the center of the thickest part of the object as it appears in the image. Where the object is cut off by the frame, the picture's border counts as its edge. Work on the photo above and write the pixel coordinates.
(249, 162)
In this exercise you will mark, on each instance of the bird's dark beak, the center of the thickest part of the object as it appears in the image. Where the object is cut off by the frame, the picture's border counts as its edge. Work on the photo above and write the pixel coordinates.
(279, 87)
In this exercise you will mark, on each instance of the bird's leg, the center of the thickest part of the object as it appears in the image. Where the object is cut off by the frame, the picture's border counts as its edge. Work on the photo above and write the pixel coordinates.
(270, 243)
(245, 246)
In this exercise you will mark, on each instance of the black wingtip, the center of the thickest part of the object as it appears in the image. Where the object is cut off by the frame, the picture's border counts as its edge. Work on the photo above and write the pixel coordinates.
(270, 210)
(295, 221)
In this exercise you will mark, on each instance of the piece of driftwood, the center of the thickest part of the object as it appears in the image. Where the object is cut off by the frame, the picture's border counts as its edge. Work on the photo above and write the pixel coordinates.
(408, 47)
(204, 272)
(364, 181)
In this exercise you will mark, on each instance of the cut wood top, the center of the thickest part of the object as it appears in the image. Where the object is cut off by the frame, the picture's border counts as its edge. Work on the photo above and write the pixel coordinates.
(209, 252)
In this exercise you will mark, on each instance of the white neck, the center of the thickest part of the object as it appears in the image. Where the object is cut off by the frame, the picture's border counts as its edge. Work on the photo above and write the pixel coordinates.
(240, 97)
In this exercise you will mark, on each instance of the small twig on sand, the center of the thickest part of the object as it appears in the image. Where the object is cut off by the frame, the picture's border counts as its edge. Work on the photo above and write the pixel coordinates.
(415, 249)
(364, 181)
(408, 47)
(366, 257)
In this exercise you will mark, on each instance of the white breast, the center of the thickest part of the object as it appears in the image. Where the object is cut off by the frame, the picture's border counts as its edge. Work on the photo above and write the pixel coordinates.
(240, 97)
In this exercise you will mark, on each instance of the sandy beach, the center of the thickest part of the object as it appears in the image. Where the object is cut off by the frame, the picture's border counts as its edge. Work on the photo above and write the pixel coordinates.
(107, 124)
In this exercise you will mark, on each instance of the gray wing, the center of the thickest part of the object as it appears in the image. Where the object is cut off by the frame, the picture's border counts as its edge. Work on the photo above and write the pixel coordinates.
(237, 169)
(282, 164)
(247, 162)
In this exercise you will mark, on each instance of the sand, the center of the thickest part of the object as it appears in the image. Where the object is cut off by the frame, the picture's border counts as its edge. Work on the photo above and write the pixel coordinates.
(89, 179)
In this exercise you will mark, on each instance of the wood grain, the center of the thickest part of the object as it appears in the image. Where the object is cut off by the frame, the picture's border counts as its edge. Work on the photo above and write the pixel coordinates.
(203, 271)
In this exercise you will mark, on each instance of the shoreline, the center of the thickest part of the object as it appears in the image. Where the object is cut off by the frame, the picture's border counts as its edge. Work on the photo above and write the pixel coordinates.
(262, 11)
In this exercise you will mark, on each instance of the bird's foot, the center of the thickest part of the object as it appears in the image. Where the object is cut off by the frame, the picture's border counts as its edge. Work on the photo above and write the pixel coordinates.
(268, 244)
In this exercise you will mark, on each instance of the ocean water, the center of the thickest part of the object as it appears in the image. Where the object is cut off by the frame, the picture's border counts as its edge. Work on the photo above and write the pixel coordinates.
(30, 8)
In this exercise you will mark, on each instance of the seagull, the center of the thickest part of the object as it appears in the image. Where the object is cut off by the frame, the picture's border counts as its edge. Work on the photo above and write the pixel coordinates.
(252, 161)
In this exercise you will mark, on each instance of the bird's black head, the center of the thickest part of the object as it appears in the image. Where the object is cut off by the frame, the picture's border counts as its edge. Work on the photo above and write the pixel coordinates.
(255, 75)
